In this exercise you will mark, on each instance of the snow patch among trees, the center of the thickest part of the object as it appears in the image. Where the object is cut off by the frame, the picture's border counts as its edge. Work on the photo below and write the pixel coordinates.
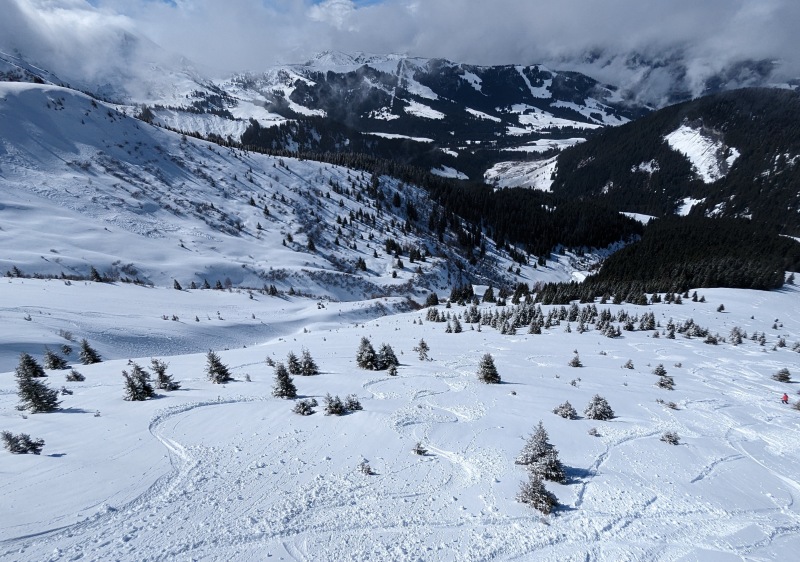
(710, 157)
(448, 172)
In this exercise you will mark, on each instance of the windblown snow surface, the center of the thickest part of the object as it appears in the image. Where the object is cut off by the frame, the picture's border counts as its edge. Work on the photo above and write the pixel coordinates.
(227, 472)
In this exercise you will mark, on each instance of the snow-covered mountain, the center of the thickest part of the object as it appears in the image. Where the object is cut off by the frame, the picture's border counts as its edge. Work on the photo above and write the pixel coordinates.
(732, 154)
(85, 185)
(337, 101)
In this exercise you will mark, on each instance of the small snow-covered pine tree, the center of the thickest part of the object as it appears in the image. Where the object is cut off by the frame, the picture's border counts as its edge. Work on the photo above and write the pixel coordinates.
(53, 360)
(566, 410)
(598, 409)
(386, 358)
(293, 364)
(284, 385)
(308, 366)
(334, 406)
(783, 375)
(88, 355)
(660, 370)
(487, 372)
(163, 380)
(422, 348)
(352, 403)
(541, 457)
(21, 444)
(34, 395)
(137, 384)
(216, 371)
(536, 495)
(667, 383)
(305, 407)
(365, 356)
(28, 367)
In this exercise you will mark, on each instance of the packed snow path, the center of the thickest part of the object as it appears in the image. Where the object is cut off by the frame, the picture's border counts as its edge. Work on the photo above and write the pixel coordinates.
(229, 473)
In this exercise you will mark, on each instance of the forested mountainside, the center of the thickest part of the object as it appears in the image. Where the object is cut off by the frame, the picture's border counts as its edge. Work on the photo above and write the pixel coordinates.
(733, 154)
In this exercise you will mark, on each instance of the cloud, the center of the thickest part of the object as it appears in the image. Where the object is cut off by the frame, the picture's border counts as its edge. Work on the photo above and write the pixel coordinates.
(337, 13)
(253, 34)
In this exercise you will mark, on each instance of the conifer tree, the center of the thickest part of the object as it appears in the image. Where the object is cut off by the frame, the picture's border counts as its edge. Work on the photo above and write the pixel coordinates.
(365, 356)
(53, 360)
(334, 406)
(386, 357)
(566, 410)
(88, 355)
(163, 380)
(293, 364)
(137, 384)
(598, 409)
(422, 348)
(216, 371)
(34, 395)
(284, 385)
(541, 457)
(536, 495)
(75, 376)
(487, 372)
(29, 367)
(783, 375)
(21, 444)
(308, 366)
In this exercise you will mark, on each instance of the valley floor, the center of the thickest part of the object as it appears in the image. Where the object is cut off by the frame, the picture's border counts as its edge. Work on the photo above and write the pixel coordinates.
(227, 472)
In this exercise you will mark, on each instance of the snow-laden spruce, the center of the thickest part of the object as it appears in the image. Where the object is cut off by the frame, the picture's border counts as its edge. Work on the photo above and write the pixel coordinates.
(541, 457)
(34, 395)
(533, 493)
(216, 370)
(21, 444)
(487, 372)
(566, 410)
(138, 385)
(163, 380)
(284, 384)
(598, 409)
(88, 355)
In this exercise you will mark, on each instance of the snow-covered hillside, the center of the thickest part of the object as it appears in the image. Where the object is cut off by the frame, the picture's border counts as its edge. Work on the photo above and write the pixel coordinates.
(229, 472)
(84, 185)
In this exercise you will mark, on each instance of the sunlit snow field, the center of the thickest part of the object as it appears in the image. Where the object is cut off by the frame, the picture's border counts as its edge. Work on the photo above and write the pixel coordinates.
(227, 472)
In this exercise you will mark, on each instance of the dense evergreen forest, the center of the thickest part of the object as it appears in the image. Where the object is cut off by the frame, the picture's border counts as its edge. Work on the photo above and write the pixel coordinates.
(676, 254)
(763, 125)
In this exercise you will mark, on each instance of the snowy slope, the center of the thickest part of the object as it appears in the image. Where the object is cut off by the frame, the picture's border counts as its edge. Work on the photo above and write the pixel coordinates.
(84, 185)
(224, 472)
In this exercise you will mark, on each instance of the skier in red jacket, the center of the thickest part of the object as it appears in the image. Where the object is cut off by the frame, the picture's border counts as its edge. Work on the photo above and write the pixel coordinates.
(785, 398)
